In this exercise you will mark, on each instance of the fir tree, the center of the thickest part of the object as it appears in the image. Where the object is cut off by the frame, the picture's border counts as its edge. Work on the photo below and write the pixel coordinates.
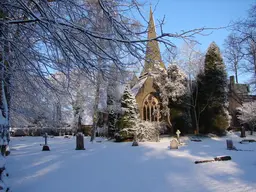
(213, 93)
(130, 109)
(130, 118)
(113, 110)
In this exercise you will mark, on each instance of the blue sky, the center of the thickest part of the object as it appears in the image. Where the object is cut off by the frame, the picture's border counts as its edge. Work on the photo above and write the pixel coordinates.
(189, 14)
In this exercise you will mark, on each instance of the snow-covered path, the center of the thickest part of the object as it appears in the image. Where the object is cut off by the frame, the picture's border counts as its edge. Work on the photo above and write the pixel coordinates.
(118, 167)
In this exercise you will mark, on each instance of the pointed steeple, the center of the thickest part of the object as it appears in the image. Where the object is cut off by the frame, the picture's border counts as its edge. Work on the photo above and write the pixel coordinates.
(153, 54)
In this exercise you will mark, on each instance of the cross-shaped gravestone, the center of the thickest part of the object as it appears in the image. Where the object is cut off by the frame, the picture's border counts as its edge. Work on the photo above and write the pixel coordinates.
(178, 134)
(45, 138)
(45, 147)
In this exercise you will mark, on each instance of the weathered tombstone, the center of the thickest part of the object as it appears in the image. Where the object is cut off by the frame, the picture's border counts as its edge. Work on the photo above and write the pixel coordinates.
(135, 144)
(178, 135)
(242, 132)
(45, 147)
(66, 137)
(174, 144)
(230, 145)
(80, 141)
(135, 141)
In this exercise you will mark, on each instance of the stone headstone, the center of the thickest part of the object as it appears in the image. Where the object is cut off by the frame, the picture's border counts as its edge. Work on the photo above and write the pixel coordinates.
(230, 145)
(135, 143)
(174, 144)
(45, 138)
(66, 137)
(242, 132)
(45, 146)
(80, 141)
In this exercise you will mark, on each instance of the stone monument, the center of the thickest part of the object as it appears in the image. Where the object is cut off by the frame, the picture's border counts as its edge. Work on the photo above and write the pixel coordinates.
(174, 144)
(230, 145)
(45, 147)
(80, 141)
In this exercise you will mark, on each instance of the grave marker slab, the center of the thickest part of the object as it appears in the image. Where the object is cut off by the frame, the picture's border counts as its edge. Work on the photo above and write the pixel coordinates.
(80, 141)
(174, 144)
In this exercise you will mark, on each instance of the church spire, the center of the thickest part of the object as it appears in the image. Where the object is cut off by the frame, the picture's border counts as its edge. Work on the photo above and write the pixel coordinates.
(152, 52)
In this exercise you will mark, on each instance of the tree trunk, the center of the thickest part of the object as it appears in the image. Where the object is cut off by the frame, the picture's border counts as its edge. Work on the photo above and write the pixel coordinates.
(236, 75)
(5, 76)
(251, 129)
(196, 120)
(95, 108)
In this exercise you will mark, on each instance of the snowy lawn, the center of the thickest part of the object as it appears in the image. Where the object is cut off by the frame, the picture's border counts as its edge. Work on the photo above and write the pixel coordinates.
(118, 167)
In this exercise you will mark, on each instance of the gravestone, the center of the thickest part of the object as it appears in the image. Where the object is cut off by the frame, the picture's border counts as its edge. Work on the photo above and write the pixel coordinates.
(174, 144)
(66, 137)
(45, 147)
(242, 132)
(135, 141)
(230, 145)
(135, 144)
(80, 141)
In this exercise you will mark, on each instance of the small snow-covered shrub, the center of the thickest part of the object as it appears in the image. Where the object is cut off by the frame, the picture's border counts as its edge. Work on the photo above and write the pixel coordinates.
(221, 123)
(247, 115)
(143, 130)
(148, 131)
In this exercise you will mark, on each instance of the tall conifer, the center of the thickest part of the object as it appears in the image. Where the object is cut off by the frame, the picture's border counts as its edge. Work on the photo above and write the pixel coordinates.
(213, 92)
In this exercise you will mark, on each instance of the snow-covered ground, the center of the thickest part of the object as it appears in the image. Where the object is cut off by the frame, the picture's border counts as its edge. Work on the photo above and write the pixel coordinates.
(118, 167)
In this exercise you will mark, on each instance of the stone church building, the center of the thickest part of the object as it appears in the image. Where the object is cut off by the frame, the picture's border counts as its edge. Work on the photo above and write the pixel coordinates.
(147, 95)
(145, 92)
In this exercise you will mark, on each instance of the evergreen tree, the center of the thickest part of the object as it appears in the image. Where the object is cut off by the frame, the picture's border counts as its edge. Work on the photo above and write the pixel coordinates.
(130, 109)
(213, 93)
(116, 79)
(113, 104)
(130, 118)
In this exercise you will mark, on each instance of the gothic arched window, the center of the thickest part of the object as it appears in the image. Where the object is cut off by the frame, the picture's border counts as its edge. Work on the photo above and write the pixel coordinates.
(150, 104)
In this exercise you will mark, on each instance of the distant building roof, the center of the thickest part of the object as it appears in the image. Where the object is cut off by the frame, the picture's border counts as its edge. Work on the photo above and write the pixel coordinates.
(241, 89)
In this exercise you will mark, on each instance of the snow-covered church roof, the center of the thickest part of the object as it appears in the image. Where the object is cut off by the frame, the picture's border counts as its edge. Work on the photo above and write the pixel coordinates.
(135, 89)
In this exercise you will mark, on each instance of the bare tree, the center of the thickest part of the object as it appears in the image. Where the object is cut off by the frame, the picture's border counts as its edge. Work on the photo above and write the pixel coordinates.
(233, 53)
(191, 61)
(246, 114)
(245, 40)
(41, 37)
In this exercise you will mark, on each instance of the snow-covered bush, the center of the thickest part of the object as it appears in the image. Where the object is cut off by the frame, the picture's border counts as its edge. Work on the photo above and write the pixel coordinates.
(143, 131)
(172, 86)
(148, 131)
(247, 114)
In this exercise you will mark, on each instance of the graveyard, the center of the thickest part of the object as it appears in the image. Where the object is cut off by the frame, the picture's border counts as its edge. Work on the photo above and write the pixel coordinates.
(127, 96)
(119, 167)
